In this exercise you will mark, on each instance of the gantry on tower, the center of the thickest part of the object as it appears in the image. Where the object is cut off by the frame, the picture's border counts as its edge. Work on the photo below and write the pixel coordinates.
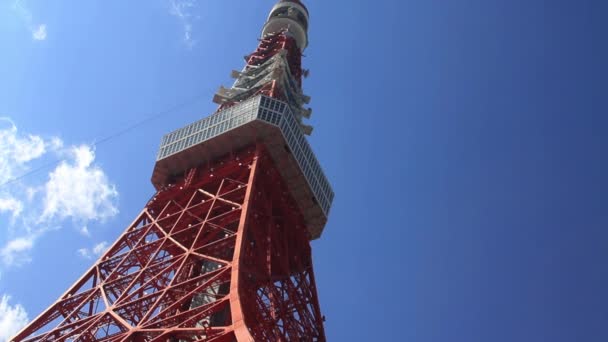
(221, 252)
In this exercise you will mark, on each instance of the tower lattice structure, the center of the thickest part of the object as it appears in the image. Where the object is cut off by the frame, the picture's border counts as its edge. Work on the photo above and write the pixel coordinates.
(221, 252)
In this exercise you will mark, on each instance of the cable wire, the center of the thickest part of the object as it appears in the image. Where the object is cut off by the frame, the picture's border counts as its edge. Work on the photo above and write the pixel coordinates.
(110, 137)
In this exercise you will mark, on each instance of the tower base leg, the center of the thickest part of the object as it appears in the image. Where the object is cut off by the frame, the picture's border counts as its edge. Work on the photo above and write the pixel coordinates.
(221, 255)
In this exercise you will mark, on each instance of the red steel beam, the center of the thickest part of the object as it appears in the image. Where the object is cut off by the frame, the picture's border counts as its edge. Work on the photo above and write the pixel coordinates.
(221, 255)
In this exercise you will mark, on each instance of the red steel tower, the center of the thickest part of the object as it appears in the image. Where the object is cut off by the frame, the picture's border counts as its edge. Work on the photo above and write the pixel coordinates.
(221, 252)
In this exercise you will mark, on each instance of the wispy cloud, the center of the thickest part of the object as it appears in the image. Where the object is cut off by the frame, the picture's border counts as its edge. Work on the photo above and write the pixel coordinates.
(11, 205)
(38, 30)
(12, 318)
(15, 252)
(93, 252)
(76, 191)
(182, 10)
(17, 149)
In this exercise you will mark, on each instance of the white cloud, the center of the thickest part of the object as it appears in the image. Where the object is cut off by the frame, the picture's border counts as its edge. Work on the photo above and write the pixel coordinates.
(79, 190)
(12, 318)
(96, 251)
(38, 30)
(55, 143)
(85, 253)
(85, 231)
(12, 205)
(181, 9)
(76, 190)
(27, 149)
(17, 150)
(15, 251)
(100, 248)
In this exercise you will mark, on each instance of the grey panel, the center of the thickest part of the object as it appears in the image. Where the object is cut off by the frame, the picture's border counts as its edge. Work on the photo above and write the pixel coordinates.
(268, 110)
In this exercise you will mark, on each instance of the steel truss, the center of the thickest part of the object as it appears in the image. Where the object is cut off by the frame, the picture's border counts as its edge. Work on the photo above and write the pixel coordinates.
(221, 255)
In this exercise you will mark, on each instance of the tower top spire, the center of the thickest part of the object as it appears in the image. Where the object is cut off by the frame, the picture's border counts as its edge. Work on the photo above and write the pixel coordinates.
(296, 1)
(290, 16)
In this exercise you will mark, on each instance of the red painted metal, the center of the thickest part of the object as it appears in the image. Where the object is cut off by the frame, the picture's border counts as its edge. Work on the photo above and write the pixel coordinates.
(221, 255)
(267, 48)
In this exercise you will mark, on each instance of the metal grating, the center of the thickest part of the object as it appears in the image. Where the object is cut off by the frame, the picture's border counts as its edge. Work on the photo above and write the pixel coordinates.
(268, 110)
(208, 128)
(279, 114)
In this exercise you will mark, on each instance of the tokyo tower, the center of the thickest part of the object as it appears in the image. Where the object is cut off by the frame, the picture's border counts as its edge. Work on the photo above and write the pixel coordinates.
(221, 252)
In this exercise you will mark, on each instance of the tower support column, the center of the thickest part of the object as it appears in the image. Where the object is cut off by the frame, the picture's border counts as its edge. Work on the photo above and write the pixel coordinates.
(220, 255)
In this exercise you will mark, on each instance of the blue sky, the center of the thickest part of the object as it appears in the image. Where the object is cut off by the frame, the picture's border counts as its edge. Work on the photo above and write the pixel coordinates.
(466, 142)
